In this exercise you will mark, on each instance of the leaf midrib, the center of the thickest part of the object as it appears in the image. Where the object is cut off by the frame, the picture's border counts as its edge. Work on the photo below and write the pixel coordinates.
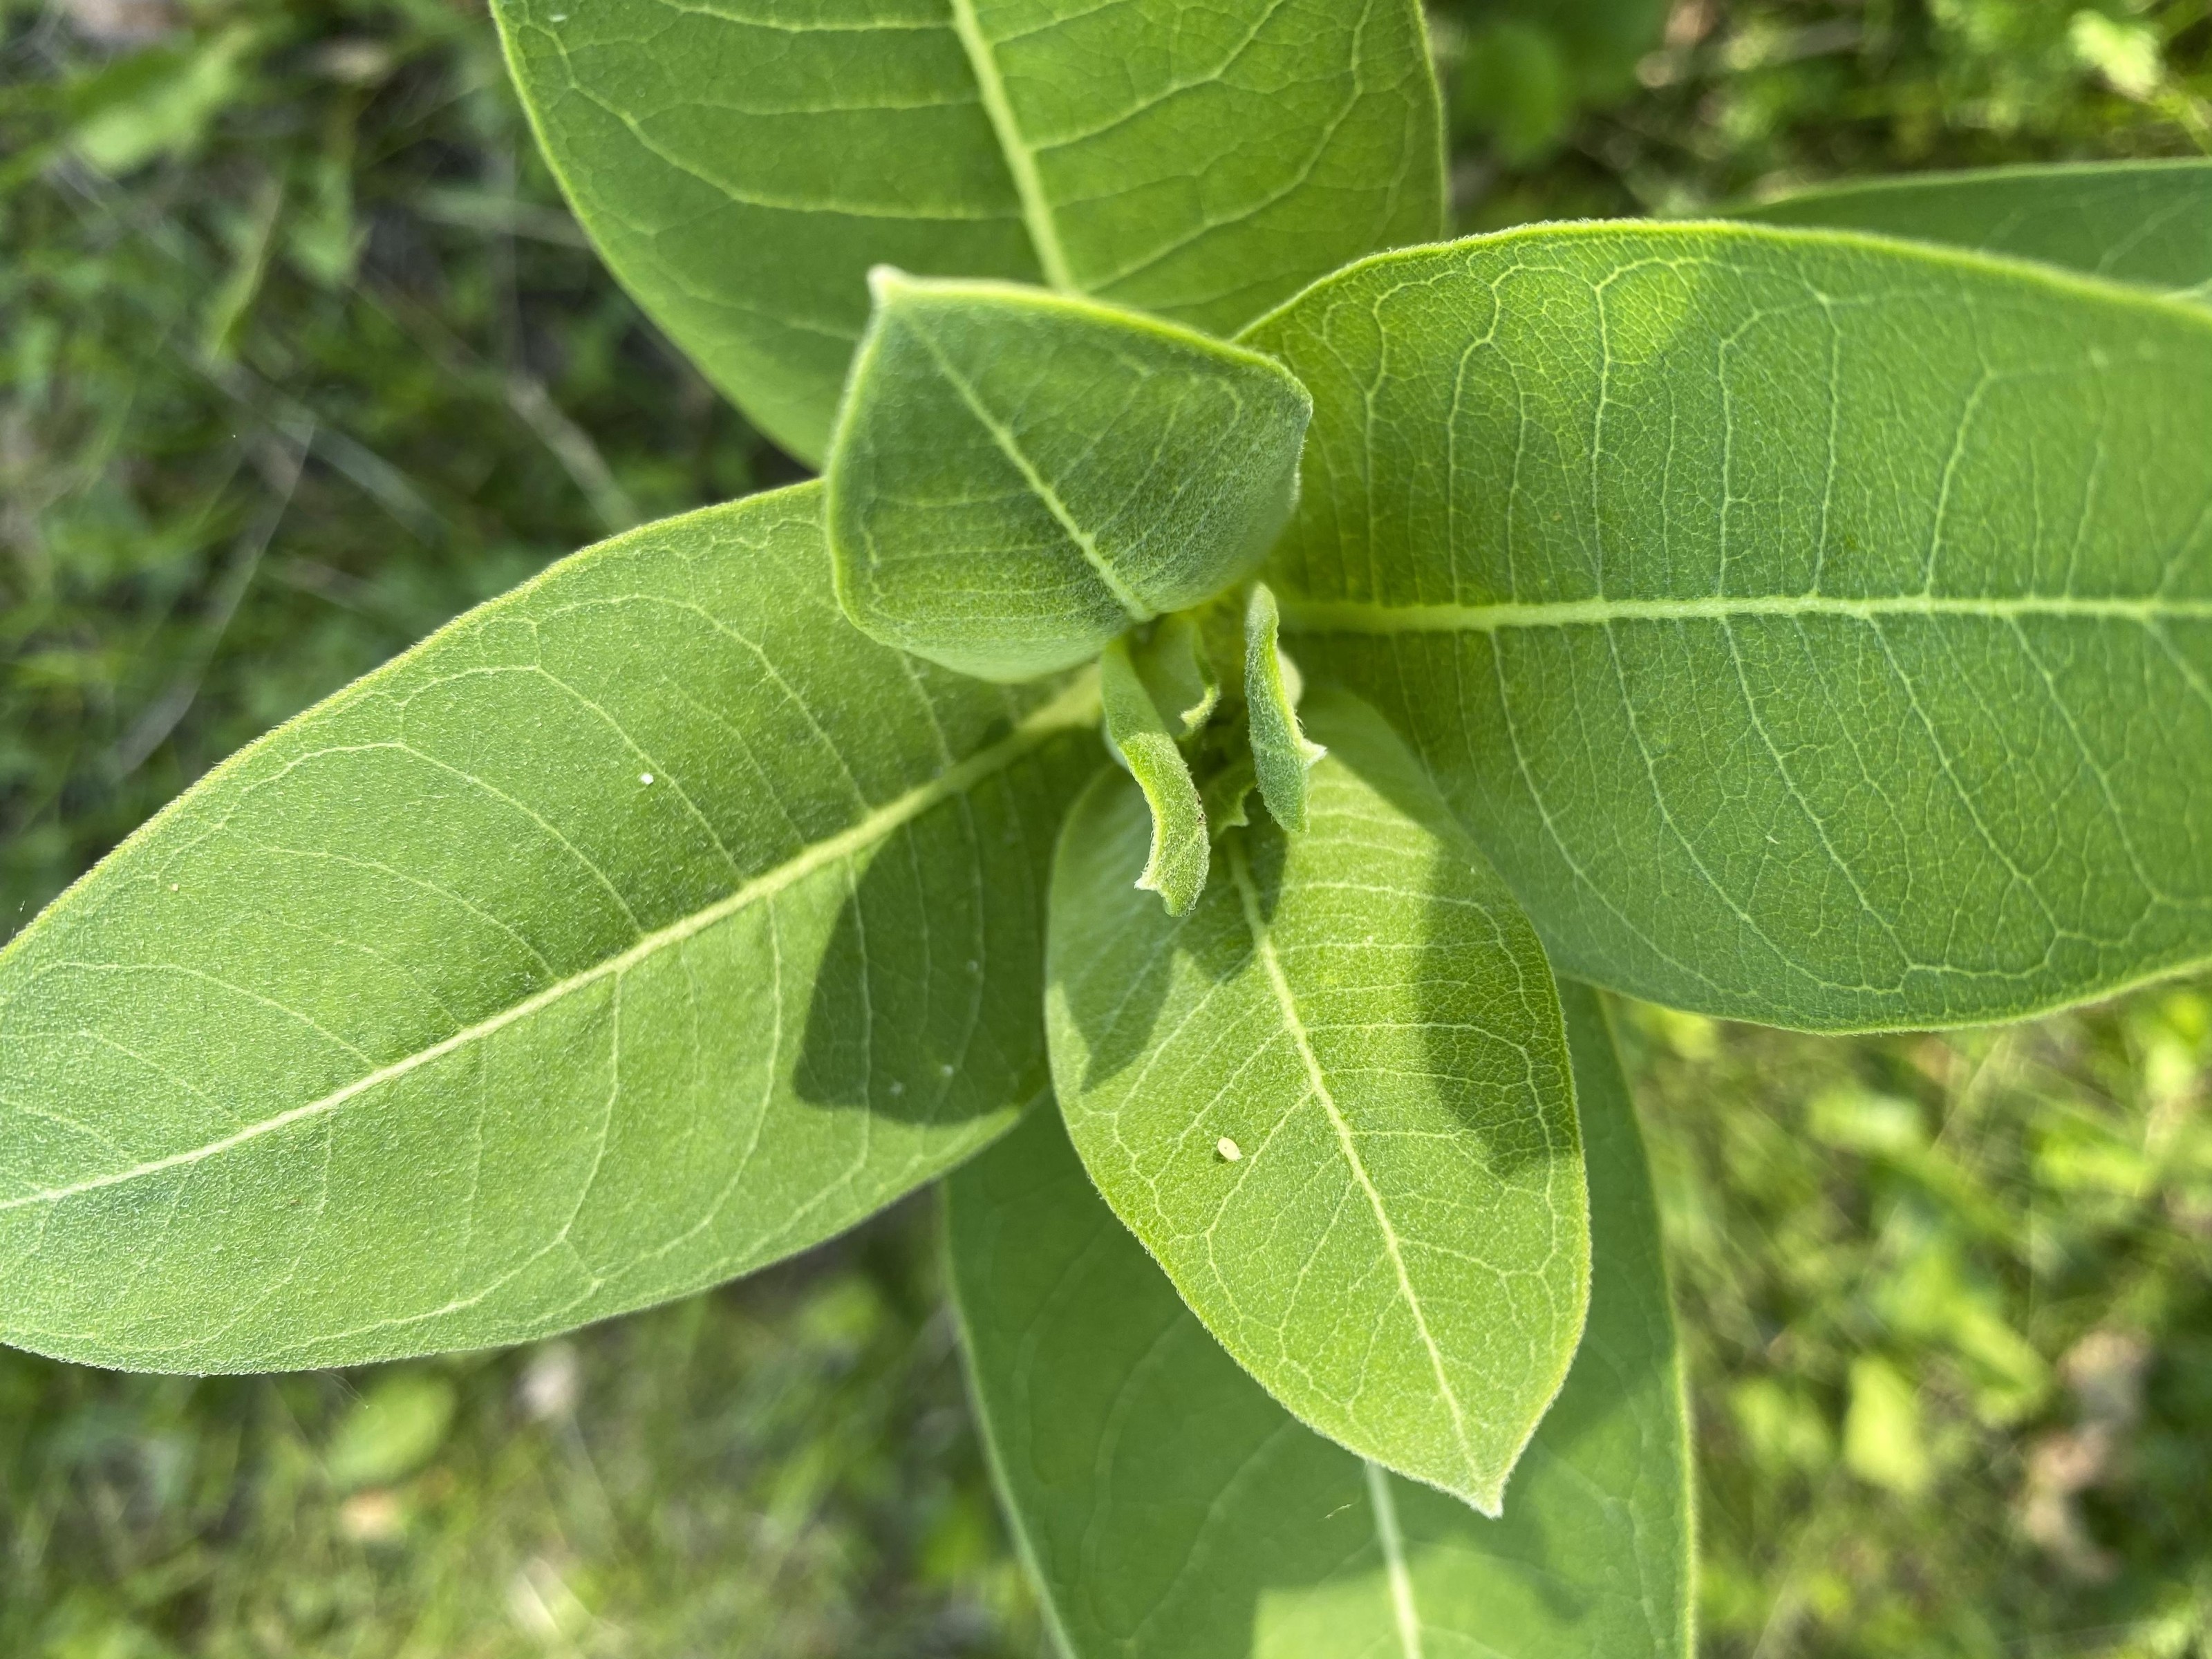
(1393, 1543)
(1009, 445)
(1263, 946)
(1020, 157)
(1372, 616)
(1074, 707)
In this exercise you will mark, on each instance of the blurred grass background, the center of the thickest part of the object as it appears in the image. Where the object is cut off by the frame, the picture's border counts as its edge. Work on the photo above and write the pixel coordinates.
(300, 356)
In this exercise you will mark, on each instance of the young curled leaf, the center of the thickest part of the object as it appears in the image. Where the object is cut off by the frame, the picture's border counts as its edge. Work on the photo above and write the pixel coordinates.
(1281, 753)
(1016, 478)
(1227, 795)
(1179, 672)
(1176, 867)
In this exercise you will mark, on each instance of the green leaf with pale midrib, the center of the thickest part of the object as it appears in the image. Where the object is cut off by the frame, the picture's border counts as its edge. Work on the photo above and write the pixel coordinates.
(1016, 478)
(1399, 1251)
(1811, 629)
(1170, 1510)
(2149, 223)
(740, 174)
(641, 926)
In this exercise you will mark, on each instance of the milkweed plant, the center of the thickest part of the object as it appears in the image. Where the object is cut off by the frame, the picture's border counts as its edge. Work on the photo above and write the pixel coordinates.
(1247, 669)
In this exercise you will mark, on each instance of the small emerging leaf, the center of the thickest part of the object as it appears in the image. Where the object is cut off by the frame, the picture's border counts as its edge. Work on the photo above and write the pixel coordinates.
(1128, 1446)
(1281, 754)
(1401, 1253)
(1175, 867)
(1016, 478)
(1227, 795)
(1179, 672)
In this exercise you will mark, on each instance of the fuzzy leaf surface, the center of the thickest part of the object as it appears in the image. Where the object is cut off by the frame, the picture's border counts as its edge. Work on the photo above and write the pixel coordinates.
(2149, 223)
(741, 168)
(1399, 1250)
(1281, 753)
(1179, 673)
(640, 928)
(1170, 1509)
(1175, 866)
(1018, 478)
(1811, 629)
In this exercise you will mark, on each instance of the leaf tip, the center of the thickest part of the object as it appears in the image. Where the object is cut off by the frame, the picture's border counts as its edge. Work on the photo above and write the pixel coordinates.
(884, 281)
(1482, 1490)
(1179, 890)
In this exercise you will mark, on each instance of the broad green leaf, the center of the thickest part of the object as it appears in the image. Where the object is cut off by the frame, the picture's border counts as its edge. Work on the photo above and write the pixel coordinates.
(644, 926)
(1176, 860)
(1170, 1509)
(2149, 223)
(741, 168)
(1334, 1102)
(1281, 754)
(1016, 478)
(1811, 629)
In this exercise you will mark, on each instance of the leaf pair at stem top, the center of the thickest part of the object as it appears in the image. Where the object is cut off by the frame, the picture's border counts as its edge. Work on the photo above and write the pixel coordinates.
(1018, 482)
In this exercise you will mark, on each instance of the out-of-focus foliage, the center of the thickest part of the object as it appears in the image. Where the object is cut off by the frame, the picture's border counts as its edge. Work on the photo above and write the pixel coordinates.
(1518, 71)
(1947, 1297)
(1949, 1305)
(299, 355)
(1729, 98)
(782, 1469)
